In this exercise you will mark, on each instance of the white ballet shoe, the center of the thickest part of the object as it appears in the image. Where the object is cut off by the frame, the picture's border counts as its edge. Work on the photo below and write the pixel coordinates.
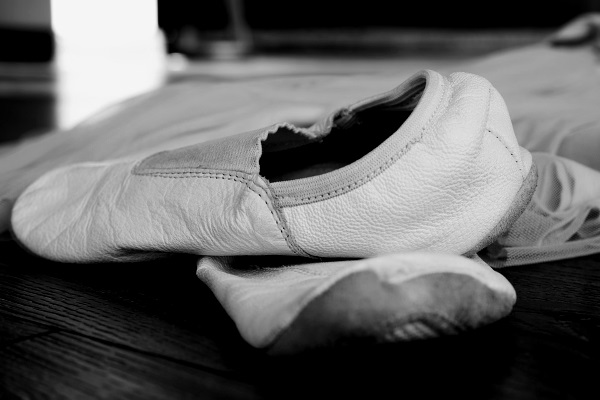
(430, 165)
(284, 307)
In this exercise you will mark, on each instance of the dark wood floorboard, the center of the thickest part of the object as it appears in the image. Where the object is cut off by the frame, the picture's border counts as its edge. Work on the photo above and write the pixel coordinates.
(65, 365)
(158, 307)
(106, 329)
(14, 329)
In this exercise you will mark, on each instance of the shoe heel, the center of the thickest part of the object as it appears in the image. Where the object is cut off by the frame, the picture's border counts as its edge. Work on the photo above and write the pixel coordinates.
(520, 202)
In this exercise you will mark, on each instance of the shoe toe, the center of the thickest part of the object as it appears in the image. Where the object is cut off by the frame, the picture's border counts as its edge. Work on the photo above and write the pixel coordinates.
(53, 216)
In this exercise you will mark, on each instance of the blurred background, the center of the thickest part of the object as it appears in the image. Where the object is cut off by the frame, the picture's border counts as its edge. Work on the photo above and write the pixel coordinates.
(63, 60)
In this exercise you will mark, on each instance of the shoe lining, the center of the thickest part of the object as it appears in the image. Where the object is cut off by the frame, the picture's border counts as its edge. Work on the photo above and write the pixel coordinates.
(289, 155)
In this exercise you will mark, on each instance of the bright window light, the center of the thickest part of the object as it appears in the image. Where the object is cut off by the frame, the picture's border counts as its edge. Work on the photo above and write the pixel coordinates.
(104, 21)
(107, 50)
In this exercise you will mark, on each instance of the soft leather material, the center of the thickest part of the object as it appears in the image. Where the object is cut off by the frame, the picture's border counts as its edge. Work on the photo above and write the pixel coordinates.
(455, 180)
(265, 296)
(103, 212)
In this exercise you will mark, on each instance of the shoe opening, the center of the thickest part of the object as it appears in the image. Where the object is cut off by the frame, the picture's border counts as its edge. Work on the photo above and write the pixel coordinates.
(291, 154)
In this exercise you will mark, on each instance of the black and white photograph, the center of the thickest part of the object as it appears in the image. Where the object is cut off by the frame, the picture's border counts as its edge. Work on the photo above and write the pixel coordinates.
(238, 199)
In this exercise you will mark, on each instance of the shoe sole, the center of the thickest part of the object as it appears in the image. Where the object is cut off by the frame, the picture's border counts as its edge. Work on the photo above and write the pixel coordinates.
(362, 309)
(520, 202)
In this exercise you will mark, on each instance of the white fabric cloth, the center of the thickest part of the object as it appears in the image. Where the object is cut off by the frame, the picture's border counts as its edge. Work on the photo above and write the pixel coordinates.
(562, 220)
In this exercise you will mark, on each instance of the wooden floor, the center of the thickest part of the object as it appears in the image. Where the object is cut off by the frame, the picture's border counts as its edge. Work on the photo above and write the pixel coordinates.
(154, 331)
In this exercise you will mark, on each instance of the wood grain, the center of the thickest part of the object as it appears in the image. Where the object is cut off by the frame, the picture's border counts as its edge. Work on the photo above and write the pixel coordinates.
(65, 365)
(106, 330)
(156, 307)
(13, 329)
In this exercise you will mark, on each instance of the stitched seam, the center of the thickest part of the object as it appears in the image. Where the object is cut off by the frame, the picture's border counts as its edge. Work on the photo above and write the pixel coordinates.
(290, 239)
(196, 174)
(381, 168)
(359, 182)
(506, 147)
(496, 135)
(231, 177)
